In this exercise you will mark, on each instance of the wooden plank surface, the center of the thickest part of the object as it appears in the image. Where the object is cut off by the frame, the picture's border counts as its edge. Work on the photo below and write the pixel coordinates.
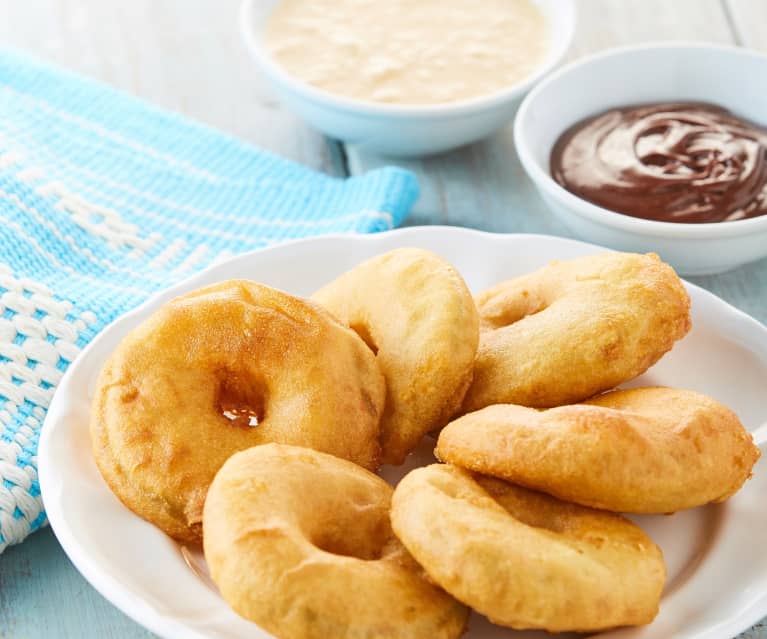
(746, 287)
(42, 596)
(186, 55)
(748, 19)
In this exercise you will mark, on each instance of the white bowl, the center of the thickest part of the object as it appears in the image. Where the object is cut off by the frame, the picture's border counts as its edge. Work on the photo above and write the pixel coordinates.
(402, 130)
(730, 77)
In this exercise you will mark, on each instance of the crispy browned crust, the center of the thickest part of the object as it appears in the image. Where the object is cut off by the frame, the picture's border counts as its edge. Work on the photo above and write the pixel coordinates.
(157, 429)
(575, 328)
(645, 450)
(300, 543)
(524, 559)
(415, 310)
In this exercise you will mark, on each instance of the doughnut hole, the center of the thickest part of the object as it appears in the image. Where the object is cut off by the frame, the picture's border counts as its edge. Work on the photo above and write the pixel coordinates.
(242, 399)
(360, 531)
(363, 330)
(509, 307)
(350, 520)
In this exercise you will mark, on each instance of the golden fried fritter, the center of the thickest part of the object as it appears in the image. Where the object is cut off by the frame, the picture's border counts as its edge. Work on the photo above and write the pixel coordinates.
(414, 310)
(575, 328)
(300, 543)
(524, 559)
(645, 450)
(183, 391)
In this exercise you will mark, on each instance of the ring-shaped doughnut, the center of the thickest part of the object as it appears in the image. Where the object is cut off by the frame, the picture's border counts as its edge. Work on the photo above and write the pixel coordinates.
(415, 311)
(524, 559)
(184, 390)
(575, 328)
(301, 543)
(644, 450)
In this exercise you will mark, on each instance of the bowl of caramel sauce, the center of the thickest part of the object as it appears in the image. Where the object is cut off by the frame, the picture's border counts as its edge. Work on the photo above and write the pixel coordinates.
(660, 147)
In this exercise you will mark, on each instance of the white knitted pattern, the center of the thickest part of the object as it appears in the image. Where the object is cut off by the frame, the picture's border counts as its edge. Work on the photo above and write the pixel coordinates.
(37, 332)
(101, 221)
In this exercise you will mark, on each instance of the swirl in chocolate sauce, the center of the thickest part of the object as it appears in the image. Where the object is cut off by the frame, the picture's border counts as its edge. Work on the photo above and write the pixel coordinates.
(676, 162)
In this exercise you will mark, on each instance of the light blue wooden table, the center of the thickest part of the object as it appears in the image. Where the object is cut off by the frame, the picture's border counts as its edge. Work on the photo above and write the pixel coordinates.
(185, 55)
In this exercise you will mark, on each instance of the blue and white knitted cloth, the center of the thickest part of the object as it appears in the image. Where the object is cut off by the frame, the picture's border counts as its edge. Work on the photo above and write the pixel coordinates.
(104, 200)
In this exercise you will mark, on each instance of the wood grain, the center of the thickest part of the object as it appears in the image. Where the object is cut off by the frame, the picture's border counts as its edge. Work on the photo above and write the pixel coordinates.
(42, 596)
(185, 55)
(746, 287)
(748, 19)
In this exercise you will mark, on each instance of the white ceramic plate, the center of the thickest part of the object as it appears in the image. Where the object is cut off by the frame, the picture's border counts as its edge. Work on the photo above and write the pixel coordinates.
(717, 583)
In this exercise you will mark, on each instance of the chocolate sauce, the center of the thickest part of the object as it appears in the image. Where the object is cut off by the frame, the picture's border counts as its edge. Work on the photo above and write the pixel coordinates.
(674, 162)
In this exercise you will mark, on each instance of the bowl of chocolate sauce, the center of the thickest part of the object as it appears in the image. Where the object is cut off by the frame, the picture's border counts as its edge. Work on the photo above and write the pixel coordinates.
(660, 147)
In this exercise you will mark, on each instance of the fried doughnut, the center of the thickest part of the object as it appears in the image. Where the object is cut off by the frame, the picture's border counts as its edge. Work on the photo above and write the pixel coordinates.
(182, 391)
(576, 328)
(301, 543)
(524, 559)
(415, 312)
(645, 450)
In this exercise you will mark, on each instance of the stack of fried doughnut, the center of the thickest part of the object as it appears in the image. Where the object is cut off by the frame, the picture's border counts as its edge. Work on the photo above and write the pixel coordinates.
(269, 460)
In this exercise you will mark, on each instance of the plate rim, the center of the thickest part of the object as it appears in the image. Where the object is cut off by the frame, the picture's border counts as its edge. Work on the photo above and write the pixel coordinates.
(168, 627)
